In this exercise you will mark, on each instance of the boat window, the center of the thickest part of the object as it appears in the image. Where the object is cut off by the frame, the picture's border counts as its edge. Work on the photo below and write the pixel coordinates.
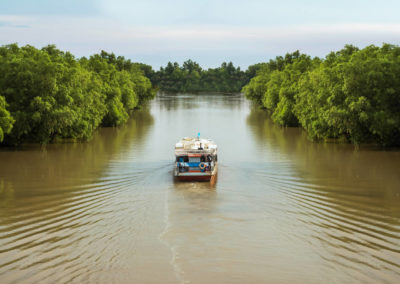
(194, 159)
(182, 159)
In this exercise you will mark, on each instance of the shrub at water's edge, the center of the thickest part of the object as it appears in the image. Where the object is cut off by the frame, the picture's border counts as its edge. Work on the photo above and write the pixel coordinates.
(6, 121)
(351, 94)
(48, 94)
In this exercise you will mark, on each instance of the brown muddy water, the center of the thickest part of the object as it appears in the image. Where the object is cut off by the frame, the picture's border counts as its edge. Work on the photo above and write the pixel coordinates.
(283, 210)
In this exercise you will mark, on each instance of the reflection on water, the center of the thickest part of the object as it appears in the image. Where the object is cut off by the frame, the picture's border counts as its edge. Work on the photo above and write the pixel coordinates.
(64, 208)
(347, 199)
(284, 209)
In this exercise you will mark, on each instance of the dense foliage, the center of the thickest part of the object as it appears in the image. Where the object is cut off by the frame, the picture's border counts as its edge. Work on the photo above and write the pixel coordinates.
(49, 94)
(6, 121)
(191, 78)
(352, 94)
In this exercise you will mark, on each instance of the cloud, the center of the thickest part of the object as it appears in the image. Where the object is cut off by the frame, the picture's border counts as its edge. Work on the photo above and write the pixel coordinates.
(87, 35)
(13, 22)
(11, 25)
(260, 13)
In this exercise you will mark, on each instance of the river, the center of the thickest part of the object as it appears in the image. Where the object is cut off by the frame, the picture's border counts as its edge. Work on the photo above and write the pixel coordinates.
(283, 210)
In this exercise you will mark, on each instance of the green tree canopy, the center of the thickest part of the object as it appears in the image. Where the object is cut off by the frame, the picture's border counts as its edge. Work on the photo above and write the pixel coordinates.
(352, 94)
(51, 94)
(191, 78)
(6, 120)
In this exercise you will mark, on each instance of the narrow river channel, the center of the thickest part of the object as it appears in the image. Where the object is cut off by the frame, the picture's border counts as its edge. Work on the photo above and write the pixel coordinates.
(283, 210)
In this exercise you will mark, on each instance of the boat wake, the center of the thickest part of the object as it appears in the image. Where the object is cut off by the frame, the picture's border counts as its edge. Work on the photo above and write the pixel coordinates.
(179, 273)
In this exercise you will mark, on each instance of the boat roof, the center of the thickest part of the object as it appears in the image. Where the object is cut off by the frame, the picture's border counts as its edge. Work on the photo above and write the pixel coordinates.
(195, 146)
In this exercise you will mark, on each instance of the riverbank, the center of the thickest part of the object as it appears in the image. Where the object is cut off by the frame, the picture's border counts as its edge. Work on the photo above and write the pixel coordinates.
(192, 78)
(48, 95)
(352, 94)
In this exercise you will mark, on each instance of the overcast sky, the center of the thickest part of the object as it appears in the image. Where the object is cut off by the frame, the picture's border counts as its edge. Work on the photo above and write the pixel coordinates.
(209, 32)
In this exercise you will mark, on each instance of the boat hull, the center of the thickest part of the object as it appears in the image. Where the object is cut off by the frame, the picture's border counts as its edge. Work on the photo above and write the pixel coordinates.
(195, 176)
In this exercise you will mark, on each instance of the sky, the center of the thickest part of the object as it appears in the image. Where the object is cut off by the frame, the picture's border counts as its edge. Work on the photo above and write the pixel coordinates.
(209, 32)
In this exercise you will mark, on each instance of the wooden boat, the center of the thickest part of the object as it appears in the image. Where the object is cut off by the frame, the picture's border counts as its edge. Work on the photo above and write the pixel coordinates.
(196, 159)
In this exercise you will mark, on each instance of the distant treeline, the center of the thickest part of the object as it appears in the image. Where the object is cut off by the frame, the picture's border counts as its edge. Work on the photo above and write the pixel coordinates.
(191, 78)
(351, 94)
(47, 94)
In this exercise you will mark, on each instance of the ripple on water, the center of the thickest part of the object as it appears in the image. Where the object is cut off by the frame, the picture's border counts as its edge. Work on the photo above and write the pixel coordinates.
(345, 228)
(70, 230)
